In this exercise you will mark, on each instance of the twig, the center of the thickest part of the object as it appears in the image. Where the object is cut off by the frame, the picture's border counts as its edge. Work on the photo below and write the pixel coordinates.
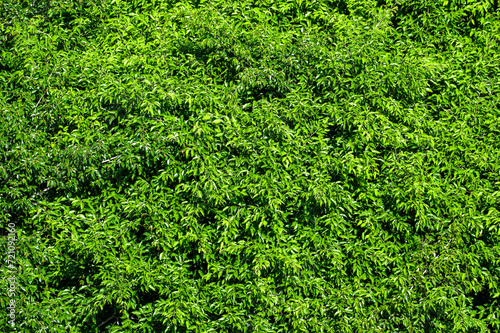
(48, 81)
(107, 320)
(110, 159)
(40, 98)
(41, 192)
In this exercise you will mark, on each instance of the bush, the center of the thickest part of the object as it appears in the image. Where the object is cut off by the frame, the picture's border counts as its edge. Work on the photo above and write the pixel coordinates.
(250, 166)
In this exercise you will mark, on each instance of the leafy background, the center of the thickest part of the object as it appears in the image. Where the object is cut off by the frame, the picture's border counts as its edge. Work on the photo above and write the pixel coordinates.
(251, 166)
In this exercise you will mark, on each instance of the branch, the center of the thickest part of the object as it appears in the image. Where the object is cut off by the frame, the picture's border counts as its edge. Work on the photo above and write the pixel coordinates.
(110, 159)
(107, 320)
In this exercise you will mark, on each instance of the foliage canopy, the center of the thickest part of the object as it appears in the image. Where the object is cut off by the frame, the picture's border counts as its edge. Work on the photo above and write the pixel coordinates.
(251, 166)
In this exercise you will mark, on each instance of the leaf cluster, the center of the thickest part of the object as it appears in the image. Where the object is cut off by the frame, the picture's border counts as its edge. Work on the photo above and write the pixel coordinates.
(251, 166)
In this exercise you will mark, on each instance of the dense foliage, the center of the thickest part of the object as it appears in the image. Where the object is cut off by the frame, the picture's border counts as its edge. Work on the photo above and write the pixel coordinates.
(251, 166)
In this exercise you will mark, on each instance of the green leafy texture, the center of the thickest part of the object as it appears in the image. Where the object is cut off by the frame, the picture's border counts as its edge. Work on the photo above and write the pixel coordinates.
(251, 166)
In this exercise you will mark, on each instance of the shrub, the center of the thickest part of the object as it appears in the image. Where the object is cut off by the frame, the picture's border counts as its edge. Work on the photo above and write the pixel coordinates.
(250, 166)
